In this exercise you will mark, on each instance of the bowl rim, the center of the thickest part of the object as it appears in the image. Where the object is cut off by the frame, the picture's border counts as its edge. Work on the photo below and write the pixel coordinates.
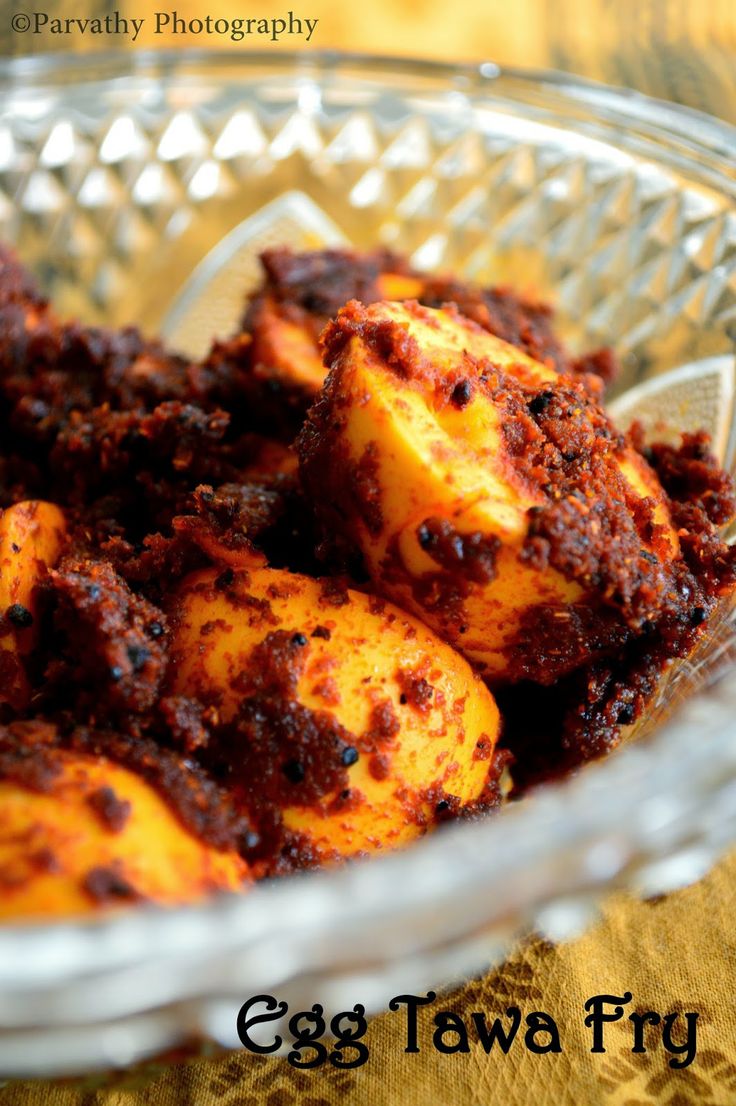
(482, 74)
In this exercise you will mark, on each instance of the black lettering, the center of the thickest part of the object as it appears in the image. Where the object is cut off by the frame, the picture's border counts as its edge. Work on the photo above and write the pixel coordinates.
(489, 1035)
(639, 1021)
(347, 1037)
(687, 1050)
(412, 1003)
(539, 1022)
(307, 1037)
(447, 1022)
(244, 1023)
(597, 1018)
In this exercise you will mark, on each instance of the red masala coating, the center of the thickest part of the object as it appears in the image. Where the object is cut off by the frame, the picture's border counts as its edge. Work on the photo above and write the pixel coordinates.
(590, 527)
(391, 343)
(114, 427)
(307, 289)
(446, 806)
(25, 755)
(158, 461)
(321, 282)
(233, 376)
(304, 291)
(202, 805)
(416, 689)
(563, 640)
(383, 728)
(278, 752)
(552, 729)
(111, 637)
(49, 368)
(234, 516)
(112, 811)
(692, 474)
(106, 886)
(187, 721)
(95, 451)
(365, 489)
(501, 311)
(469, 555)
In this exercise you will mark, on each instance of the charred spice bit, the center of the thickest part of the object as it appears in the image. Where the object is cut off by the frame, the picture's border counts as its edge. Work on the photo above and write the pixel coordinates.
(20, 616)
(462, 394)
(106, 885)
(294, 771)
(112, 811)
(539, 404)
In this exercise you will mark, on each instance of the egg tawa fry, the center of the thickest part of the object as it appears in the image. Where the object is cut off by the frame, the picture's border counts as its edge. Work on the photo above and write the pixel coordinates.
(341, 715)
(80, 835)
(460, 515)
(488, 494)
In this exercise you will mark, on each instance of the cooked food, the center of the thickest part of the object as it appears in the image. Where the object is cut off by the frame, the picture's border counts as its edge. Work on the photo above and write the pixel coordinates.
(276, 360)
(79, 832)
(224, 657)
(488, 494)
(347, 726)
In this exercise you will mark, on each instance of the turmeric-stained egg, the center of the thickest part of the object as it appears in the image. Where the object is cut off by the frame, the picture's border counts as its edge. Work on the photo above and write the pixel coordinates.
(285, 336)
(86, 835)
(32, 535)
(488, 494)
(339, 710)
(285, 343)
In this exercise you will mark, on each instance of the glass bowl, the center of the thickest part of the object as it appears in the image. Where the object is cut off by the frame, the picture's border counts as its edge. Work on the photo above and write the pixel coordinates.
(118, 178)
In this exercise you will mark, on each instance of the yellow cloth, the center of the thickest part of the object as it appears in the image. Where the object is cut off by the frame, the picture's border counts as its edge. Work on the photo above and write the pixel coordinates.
(675, 954)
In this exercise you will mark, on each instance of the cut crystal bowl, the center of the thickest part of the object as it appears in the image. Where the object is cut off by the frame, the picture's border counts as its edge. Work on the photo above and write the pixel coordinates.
(140, 189)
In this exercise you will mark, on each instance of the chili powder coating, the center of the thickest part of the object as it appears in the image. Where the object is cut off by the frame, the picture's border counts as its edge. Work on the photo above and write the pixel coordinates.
(523, 526)
(329, 741)
(192, 613)
(275, 362)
